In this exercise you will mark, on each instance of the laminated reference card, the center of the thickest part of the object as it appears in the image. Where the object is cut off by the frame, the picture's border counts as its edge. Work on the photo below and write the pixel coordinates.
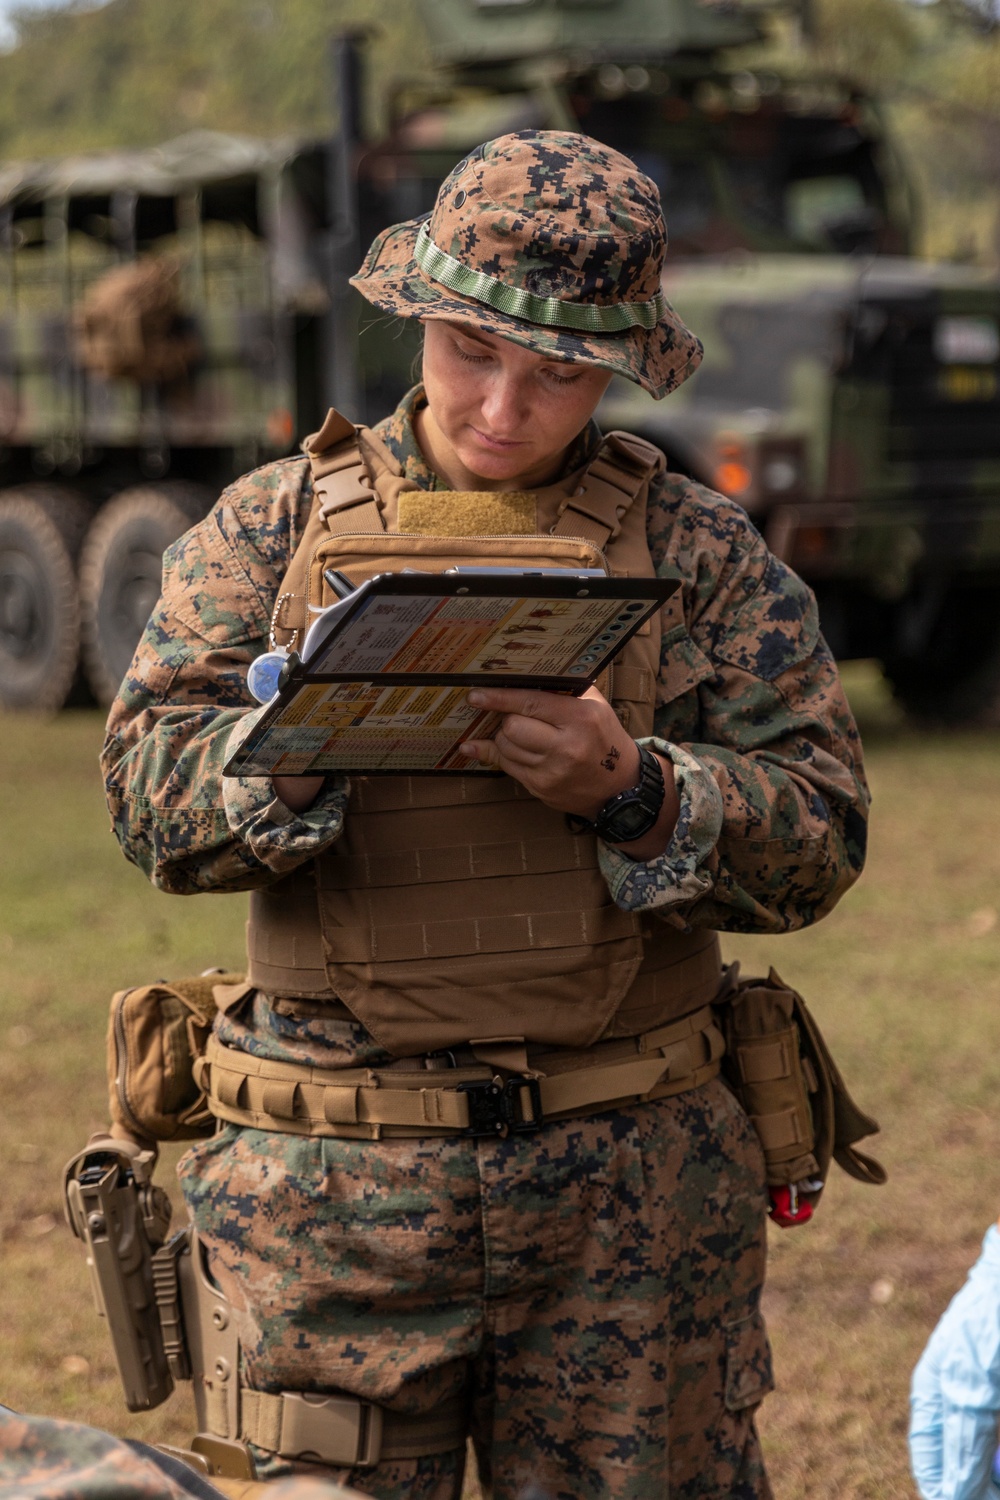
(383, 681)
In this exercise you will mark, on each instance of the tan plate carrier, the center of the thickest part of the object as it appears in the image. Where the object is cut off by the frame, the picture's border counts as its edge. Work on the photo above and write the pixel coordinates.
(460, 909)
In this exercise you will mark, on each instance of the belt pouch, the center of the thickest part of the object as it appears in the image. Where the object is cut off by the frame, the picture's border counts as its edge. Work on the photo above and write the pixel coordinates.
(155, 1034)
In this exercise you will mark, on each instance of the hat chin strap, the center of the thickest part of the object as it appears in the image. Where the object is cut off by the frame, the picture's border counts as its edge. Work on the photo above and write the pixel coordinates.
(551, 312)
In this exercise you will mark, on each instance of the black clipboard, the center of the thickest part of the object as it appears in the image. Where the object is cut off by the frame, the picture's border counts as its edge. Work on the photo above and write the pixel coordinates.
(382, 685)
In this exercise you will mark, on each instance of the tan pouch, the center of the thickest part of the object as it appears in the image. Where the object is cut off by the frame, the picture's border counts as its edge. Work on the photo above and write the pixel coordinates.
(155, 1033)
(780, 1069)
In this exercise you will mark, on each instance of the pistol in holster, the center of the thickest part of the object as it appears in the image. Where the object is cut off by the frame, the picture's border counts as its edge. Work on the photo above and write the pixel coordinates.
(154, 1033)
(113, 1206)
(168, 1320)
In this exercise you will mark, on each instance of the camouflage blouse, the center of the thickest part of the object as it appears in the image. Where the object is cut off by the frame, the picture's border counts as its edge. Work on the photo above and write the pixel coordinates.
(750, 711)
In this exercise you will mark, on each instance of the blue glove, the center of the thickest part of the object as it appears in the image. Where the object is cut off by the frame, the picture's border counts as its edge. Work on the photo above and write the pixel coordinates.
(955, 1394)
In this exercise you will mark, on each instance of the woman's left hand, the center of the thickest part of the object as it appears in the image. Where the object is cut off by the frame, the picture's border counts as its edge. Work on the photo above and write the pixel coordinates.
(570, 753)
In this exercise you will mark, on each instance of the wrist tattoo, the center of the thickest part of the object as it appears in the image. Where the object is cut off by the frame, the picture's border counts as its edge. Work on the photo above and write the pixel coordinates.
(612, 758)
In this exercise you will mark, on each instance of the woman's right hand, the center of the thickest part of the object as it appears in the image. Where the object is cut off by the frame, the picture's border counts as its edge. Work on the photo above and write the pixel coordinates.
(297, 792)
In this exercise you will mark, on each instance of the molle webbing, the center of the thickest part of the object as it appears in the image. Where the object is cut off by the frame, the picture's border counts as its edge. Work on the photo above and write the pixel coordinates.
(359, 488)
(678, 971)
(459, 907)
(594, 517)
(287, 953)
(472, 1100)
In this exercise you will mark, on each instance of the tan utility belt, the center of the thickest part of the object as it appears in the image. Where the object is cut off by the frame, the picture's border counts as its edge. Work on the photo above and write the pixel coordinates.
(501, 1091)
(163, 1060)
(170, 1321)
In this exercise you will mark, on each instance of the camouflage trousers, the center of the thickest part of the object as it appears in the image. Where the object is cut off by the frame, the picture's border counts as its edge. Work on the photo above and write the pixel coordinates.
(593, 1287)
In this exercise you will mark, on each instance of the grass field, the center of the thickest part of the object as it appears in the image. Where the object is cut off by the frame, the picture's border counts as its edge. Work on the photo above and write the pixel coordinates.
(905, 977)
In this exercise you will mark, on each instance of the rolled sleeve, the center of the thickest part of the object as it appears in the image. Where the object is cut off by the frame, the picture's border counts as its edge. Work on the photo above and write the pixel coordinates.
(277, 838)
(751, 712)
(679, 875)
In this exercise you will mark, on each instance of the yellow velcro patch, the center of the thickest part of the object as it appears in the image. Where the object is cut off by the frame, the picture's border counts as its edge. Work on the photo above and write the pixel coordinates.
(467, 512)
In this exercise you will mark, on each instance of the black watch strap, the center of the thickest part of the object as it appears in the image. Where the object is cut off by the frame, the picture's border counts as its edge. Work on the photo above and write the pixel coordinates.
(629, 815)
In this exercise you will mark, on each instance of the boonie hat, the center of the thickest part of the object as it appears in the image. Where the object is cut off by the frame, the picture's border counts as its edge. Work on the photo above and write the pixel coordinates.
(549, 239)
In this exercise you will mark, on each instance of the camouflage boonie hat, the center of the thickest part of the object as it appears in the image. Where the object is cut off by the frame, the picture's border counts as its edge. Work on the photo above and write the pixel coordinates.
(549, 239)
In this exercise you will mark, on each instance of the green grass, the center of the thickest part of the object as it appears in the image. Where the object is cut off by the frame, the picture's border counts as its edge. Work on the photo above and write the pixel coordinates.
(904, 976)
(76, 923)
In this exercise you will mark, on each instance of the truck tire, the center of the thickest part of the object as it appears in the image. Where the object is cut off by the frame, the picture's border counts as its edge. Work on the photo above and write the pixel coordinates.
(120, 573)
(40, 531)
(955, 681)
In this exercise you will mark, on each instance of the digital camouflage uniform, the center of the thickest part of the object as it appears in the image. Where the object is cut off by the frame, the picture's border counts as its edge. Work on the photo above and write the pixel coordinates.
(594, 1285)
(42, 1458)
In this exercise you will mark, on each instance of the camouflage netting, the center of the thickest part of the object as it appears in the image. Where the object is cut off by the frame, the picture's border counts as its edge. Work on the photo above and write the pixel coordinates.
(130, 324)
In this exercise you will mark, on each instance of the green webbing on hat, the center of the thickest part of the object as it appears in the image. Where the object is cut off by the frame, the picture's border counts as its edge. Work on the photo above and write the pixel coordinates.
(584, 317)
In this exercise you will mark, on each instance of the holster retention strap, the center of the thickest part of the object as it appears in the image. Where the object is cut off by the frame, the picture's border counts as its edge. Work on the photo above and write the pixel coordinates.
(344, 1431)
(338, 1428)
(482, 1099)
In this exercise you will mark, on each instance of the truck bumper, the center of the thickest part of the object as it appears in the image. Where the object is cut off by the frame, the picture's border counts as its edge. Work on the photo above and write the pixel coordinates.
(883, 547)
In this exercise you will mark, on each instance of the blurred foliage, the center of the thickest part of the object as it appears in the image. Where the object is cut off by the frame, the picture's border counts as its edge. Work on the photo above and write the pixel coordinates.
(135, 72)
(935, 67)
(874, 41)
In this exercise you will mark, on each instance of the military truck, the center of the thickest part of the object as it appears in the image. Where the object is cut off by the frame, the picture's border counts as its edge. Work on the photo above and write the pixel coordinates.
(171, 317)
(849, 395)
(158, 334)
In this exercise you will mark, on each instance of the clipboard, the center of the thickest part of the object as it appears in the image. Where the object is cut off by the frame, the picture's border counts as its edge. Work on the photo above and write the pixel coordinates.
(382, 685)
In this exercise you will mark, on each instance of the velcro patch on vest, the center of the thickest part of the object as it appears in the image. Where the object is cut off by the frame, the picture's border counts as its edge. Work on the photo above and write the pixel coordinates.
(467, 512)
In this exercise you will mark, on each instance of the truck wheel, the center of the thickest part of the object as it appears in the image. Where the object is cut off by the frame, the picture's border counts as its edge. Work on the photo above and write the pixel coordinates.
(955, 681)
(39, 606)
(120, 573)
(970, 699)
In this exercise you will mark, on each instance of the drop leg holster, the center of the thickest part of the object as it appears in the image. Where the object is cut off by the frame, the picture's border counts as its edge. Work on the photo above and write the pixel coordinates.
(170, 1322)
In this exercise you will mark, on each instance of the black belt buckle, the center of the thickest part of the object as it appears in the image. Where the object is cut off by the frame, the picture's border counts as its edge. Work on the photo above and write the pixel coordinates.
(495, 1106)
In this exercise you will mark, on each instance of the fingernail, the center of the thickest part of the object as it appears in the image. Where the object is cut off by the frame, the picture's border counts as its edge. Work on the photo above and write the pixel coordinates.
(476, 697)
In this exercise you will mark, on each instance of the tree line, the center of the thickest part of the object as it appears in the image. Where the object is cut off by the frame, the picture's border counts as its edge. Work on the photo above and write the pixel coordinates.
(136, 72)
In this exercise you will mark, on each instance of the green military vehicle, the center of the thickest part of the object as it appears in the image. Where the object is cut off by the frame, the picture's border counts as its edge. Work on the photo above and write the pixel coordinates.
(849, 396)
(162, 325)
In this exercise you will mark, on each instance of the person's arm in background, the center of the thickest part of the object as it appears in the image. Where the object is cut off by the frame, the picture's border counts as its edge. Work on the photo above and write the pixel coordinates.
(955, 1392)
(184, 706)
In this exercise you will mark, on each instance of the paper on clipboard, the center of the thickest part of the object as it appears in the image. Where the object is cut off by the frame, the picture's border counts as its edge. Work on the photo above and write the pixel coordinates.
(383, 685)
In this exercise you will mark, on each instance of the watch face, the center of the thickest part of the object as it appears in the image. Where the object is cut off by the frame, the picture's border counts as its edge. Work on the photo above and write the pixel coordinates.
(631, 814)
(630, 821)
